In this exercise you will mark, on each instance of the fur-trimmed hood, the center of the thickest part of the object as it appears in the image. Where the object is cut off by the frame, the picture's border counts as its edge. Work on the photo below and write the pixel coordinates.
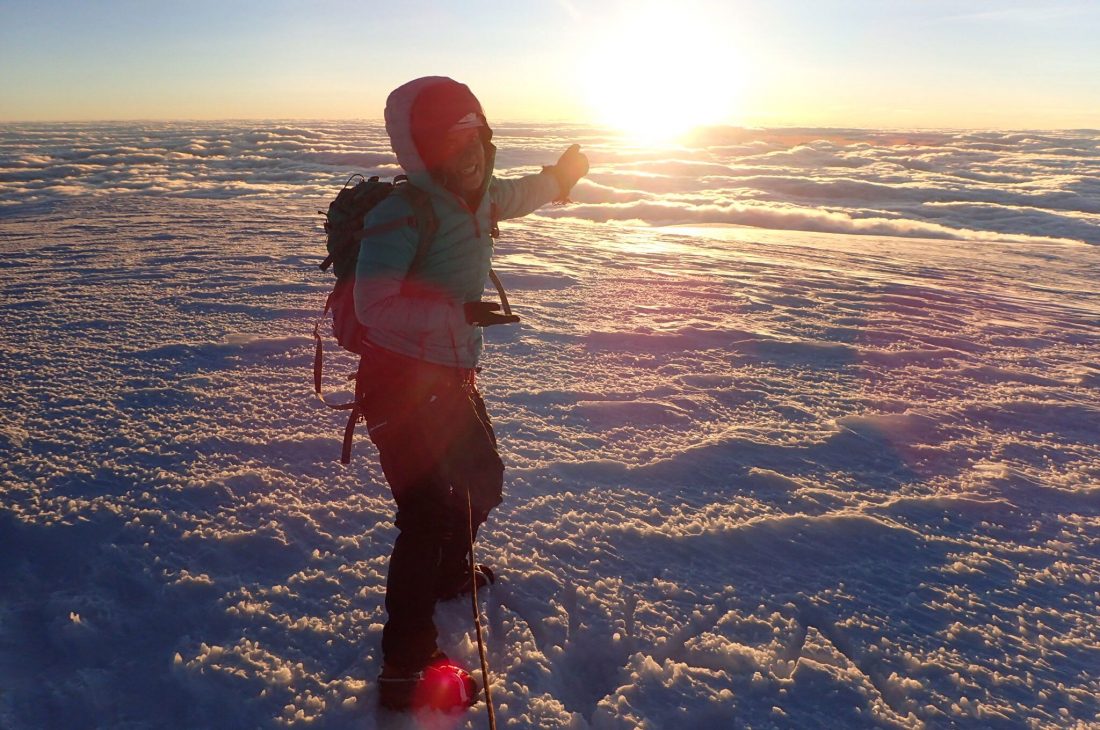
(448, 98)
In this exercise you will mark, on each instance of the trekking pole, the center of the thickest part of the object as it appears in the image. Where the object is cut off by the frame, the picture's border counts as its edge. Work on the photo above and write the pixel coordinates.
(477, 618)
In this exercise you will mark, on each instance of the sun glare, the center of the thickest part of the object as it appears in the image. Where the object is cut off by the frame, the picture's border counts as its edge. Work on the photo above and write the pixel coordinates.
(658, 75)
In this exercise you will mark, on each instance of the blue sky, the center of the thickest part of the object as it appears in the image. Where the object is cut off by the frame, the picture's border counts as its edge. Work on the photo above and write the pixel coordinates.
(924, 63)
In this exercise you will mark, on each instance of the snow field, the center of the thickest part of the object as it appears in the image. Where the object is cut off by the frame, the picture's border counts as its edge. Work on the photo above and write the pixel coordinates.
(755, 479)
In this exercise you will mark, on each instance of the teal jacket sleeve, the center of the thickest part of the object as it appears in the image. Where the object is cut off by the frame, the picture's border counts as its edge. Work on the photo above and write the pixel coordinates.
(381, 300)
(520, 196)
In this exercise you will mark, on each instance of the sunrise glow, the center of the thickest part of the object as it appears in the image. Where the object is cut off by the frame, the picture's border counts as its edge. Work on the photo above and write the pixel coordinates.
(660, 74)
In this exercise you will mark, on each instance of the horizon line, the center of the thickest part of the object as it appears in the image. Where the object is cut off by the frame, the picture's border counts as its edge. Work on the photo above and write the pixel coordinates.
(559, 122)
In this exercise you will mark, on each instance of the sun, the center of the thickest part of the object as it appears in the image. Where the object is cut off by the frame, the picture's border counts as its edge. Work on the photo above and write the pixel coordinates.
(661, 74)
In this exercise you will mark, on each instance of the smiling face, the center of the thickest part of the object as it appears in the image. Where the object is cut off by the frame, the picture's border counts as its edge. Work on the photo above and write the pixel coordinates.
(463, 169)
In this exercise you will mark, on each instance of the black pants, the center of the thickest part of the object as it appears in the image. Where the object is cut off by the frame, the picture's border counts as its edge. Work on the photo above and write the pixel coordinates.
(436, 445)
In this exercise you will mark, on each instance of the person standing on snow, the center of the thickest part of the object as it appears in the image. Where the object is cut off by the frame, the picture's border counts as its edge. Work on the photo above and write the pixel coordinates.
(424, 323)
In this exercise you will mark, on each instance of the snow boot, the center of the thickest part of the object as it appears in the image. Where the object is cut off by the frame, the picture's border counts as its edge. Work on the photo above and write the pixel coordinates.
(460, 586)
(441, 685)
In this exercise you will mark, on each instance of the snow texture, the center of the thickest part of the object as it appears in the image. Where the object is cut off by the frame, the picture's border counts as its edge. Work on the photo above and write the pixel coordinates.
(756, 478)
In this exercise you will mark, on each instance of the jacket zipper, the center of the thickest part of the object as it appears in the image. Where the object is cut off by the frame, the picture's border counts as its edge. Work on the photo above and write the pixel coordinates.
(471, 211)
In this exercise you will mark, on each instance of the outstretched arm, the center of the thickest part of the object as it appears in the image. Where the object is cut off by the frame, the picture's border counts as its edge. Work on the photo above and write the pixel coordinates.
(518, 197)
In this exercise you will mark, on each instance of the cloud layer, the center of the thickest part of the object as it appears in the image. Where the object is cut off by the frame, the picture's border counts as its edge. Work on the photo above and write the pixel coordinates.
(952, 185)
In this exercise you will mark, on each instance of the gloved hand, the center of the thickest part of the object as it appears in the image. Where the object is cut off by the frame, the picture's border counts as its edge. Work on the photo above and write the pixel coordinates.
(484, 314)
(571, 167)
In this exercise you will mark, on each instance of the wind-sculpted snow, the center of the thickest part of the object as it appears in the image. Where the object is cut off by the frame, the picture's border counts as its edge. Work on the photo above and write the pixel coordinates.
(966, 186)
(755, 478)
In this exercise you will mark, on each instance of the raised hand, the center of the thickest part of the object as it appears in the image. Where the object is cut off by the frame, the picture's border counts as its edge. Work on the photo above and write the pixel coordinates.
(571, 167)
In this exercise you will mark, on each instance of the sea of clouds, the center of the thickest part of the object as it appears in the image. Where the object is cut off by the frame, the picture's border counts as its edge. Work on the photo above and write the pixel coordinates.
(964, 185)
(755, 478)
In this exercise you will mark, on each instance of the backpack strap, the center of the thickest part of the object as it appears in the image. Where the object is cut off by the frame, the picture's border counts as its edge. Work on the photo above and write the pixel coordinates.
(349, 431)
(423, 218)
(318, 367)
(500, 290)
(494, 231)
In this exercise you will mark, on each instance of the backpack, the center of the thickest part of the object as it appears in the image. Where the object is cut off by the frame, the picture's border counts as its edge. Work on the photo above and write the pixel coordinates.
(344, 231)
